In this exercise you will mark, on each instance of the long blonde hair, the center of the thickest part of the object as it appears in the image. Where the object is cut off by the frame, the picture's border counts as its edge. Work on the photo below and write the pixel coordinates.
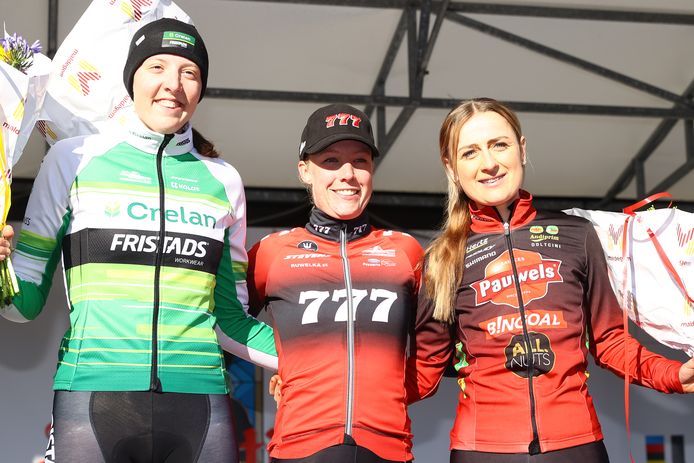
(445, 256)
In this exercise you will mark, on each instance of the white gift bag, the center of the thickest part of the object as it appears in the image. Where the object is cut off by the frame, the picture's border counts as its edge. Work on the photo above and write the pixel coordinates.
(21, 97)
(85, 90)
(650, 255)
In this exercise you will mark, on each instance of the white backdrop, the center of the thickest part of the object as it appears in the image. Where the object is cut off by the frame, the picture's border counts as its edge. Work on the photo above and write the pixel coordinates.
(28, 353)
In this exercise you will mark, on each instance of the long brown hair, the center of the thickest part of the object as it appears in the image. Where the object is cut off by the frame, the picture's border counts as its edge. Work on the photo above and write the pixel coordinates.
(445, 256)
(203, 145)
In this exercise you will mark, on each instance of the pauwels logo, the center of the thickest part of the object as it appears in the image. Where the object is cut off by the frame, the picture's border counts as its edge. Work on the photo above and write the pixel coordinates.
(534, 275)
(134, 8)
(85, 74)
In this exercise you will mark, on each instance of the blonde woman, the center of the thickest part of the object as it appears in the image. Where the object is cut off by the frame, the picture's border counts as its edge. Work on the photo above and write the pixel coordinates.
(527, 296)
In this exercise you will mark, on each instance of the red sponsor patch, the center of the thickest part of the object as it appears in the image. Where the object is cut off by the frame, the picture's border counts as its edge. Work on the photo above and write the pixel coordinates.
(534, 274)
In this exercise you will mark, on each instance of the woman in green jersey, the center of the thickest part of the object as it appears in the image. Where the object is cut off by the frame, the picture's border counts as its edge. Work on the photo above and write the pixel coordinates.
(150, 226)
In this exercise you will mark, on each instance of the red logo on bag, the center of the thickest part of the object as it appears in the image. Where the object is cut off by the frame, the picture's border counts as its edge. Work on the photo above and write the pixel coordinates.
(46, 130)
(134, 8)
(534, 274)
(615, 235)
(684, 237)
(81, 79)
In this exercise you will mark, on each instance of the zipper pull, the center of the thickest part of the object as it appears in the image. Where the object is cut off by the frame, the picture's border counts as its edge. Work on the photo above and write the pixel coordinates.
(507, 229)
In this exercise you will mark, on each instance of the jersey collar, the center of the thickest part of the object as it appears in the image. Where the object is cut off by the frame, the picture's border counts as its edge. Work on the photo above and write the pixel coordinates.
(144, 139)
(486, 219)
(321, 224)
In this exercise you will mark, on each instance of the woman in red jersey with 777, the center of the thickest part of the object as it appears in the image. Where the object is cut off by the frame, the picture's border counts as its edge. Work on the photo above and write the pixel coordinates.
(341, 295)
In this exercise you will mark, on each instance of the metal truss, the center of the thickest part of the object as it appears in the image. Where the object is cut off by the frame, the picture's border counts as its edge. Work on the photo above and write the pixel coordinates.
(420, 44)
(416, 31)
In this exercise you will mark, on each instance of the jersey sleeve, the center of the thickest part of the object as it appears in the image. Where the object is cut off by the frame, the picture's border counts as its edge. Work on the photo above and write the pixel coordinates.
(257, 277)
(45, 222)
(415, 254)
(431, 350)
(238, 332)
(611, 346)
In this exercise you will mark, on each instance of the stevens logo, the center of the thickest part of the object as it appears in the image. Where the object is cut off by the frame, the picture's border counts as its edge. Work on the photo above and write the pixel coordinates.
(534, 275)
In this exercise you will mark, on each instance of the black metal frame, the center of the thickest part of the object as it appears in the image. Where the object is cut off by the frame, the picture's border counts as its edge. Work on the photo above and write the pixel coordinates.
(414, 24)
(420, 46)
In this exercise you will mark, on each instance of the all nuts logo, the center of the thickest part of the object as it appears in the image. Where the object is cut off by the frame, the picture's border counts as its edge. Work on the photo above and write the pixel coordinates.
(81, 79)
(534, 276)
(518, 354)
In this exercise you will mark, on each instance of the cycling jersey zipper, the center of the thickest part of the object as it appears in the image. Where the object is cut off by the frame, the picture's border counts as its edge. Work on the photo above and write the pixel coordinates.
(534, 446)
(155, 383)
(350, 334)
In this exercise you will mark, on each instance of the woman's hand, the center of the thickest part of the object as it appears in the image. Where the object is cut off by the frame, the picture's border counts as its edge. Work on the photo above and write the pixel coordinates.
(5, 244)
(275, 388)
(687, 375)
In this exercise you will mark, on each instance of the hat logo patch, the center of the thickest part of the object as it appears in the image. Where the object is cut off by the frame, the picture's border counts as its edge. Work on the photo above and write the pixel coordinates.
(177, 39)
(343, 119)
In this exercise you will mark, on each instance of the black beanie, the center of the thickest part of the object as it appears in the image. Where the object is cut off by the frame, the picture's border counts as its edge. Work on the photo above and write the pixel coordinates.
(165, 36)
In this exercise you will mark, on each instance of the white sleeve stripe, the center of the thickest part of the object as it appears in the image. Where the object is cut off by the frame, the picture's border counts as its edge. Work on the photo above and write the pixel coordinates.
(245, 352)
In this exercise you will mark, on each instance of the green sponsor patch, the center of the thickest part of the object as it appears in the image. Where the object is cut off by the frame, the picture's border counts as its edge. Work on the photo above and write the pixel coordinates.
(177, 39)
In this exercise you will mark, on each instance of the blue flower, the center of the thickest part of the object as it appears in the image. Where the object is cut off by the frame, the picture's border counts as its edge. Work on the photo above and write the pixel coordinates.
(17, 52)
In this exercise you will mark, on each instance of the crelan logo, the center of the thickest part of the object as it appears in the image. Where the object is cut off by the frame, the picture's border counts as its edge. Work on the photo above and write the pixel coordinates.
(112, 209)
(86, 73)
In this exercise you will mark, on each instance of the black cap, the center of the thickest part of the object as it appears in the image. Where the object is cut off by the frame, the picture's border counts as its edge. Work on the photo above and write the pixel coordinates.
(166, 36)
(333, 123)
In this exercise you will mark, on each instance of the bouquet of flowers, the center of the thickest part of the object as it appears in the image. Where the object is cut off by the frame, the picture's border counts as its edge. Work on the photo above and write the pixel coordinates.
(17, 52)
(23, 80)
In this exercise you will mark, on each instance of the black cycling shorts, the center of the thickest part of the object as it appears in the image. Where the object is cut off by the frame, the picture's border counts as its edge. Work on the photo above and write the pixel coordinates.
(344, 453)
(594, 452)
(141, 427)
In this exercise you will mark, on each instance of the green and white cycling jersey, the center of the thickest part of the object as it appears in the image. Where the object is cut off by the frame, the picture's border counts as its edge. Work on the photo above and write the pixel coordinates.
(152, 236)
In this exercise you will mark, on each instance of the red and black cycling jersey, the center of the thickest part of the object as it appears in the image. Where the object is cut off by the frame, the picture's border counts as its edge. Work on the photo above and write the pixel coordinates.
(341, 296)
(522, 366)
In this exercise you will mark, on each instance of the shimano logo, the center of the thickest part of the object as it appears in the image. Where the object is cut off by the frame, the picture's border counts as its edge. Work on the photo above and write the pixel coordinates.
(140, 211)
(126, 242)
